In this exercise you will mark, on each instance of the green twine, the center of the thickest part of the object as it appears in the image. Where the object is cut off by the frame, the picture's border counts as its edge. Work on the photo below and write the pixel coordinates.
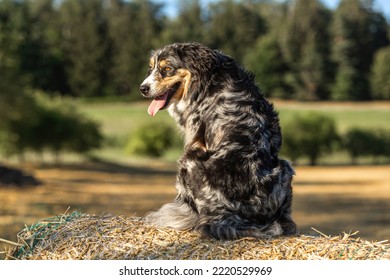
(41, 229)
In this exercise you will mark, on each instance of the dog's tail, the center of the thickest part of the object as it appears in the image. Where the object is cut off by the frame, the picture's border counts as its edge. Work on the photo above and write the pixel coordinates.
(177, 215)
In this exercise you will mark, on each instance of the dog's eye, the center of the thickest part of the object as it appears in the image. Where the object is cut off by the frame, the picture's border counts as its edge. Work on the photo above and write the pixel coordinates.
(167, 71)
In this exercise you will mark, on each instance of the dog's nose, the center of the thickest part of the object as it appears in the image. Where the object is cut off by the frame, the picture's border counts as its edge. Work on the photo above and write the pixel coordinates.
(144, 89)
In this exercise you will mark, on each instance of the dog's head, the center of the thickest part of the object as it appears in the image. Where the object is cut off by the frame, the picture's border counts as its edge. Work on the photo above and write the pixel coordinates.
(172, 72)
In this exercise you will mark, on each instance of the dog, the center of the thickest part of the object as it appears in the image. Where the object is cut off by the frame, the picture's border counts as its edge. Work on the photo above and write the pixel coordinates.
(230, 181)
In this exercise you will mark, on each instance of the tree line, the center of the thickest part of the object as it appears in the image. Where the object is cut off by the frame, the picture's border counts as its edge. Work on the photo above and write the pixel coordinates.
(297, 49)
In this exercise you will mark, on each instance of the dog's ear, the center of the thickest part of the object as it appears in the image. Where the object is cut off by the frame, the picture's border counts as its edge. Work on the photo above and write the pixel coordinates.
(225, 61)
(180, 52)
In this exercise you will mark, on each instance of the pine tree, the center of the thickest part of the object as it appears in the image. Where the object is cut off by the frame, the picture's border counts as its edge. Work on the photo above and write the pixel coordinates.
(188, 26)
(12, 80)
(270, 70)
(304, 42)
(42, 59)
(380, 77)
(132, 29)
(119, 23)
(234, 27)
(84, 36)
(357, 32)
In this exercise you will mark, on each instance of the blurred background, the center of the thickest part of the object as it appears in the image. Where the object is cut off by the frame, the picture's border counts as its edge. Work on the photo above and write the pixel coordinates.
(75, 134)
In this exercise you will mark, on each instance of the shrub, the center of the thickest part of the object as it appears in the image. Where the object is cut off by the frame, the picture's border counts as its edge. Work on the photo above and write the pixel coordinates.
(152, 139)
(60, 131)
(19, 115)
(86, 137)
(383, 143)
(310, 134)
(364, 142)
(47, 124)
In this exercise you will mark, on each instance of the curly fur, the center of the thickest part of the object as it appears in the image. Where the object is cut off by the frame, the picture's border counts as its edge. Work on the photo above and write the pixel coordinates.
(230, 182)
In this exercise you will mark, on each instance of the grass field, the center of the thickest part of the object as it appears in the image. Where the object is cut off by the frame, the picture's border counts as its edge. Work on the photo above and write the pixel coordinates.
(346, 115)
(118, 120)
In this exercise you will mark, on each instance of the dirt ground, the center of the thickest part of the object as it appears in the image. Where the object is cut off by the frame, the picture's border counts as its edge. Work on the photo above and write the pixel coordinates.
(330, 199)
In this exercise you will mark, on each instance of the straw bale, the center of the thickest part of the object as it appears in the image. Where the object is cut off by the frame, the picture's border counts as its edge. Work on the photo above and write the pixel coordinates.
(107, 237)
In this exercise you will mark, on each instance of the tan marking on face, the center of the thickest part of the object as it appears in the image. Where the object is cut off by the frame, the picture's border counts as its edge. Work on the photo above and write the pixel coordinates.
(163, 63)
(183, 76)
(151, 63)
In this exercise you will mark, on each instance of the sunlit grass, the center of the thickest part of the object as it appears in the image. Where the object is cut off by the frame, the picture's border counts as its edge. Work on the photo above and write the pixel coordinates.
(345, 117)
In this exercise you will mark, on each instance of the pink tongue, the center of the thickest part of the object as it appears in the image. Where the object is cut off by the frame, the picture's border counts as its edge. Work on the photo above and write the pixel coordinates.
(157, 104)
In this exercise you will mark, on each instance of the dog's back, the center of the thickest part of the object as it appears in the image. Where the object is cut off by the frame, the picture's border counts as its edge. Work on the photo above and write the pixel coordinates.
(230, 180)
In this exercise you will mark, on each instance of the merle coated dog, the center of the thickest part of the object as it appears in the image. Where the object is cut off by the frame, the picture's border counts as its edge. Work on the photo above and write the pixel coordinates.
(230, 182)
